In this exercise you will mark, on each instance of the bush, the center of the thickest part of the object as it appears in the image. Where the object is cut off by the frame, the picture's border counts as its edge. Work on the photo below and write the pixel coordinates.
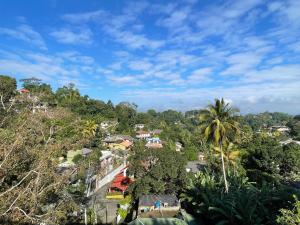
(290, 217)
(244, 204)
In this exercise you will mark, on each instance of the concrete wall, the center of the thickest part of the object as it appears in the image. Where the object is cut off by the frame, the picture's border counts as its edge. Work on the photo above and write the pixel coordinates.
(108, 178)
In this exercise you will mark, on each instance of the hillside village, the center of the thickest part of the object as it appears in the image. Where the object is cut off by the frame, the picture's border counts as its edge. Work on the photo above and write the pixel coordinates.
(114, 165)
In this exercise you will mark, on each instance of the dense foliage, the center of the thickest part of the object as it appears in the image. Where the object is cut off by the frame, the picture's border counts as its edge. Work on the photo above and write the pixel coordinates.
(248, 178)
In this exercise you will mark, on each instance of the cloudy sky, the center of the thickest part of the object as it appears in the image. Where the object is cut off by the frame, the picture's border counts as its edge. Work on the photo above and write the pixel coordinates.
(159, 54)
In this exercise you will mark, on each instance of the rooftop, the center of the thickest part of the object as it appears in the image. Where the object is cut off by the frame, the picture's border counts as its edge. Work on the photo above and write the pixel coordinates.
(157, 221)
(195, 166)
(149, 200)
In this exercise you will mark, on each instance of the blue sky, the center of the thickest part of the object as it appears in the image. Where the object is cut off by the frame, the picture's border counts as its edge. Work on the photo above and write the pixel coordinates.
(159, 54)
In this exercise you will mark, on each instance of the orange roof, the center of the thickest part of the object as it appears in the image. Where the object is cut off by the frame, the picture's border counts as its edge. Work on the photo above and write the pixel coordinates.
(24, 90)
(126, 143)
(154, 145)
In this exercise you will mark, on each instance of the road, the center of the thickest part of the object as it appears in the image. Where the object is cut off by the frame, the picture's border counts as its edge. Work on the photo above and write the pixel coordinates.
(106, 209)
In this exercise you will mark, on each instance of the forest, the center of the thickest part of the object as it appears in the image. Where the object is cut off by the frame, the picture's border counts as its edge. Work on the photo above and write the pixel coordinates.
(251, 173)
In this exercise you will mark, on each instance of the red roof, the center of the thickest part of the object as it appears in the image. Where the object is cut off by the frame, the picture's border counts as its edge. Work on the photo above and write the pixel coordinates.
(24, 90)
(121, 182)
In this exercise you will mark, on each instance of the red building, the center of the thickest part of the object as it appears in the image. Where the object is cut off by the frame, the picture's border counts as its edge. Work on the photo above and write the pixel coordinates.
(119, 185)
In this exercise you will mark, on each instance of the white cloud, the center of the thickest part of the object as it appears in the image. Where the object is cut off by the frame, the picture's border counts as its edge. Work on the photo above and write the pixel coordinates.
(25, 33)
(240, 63)
(140, 65)
(68, 36)
(124, 80)
(199, 75)
(84, 17)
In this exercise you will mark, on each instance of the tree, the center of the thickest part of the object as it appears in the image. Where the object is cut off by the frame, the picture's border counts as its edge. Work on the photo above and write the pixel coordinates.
(290, 217)
(156, 171)
(8, 88)
(291, 160)
(32, 191)
(231, 155)
(245, 204)
(219, 127)
(89, 128)
(263, 159)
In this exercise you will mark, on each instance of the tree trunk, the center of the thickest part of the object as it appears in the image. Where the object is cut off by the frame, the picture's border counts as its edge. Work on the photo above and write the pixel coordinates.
(223, 169)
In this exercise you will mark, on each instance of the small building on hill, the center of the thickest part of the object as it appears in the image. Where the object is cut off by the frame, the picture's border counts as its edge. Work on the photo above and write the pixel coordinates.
(124, 145)
(158, 205)
(154, 143)
(156, 132)
(141, 134)
(117, 138)
(158, 221)
(139, 126)
(119, 186)
(24, 91)
(178, 146)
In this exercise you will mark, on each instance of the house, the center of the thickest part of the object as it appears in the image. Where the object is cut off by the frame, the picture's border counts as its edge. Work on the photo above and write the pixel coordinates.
(104, 125)
(289, 141)
(281, 129)
(119, 186)
(201, 157)
(108, 123)
(158, 221)
(178, 146)
(124, 145)
(106, 161)
(156, 132)
(86, 151)
(117, 138)
(71, 155)
(154, 143)
(141, 134)
(139, 126)
(155, 205)
(195, 166)
(127, 144)
(24, 91)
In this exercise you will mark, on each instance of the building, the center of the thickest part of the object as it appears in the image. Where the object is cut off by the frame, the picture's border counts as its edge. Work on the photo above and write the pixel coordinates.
(119, 186)
(178, 146)
(201, 157)
(154, 143)
(24, 91)
(108, 124)
(117, 138)
(124, 145)
(72, 154)
(156, 132)
(141, 134)
(106, 162)
(151, 206)
(288, 141)
(158, 221)
(139, 126)
(281, 129)
(194, 166)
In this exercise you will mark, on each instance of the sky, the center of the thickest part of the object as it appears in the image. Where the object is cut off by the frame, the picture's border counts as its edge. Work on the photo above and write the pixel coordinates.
(159, 54)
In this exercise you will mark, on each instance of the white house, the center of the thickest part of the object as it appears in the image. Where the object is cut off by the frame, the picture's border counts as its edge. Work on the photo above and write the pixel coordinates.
(141, 134)
(139, 126)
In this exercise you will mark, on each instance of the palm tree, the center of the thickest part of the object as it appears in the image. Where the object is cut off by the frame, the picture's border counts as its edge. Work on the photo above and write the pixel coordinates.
(219, 126)
(89, 129)
(232, 155)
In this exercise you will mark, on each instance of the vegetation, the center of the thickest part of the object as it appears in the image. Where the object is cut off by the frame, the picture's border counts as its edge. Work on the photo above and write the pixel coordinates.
(219, 127)
(248, 177)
